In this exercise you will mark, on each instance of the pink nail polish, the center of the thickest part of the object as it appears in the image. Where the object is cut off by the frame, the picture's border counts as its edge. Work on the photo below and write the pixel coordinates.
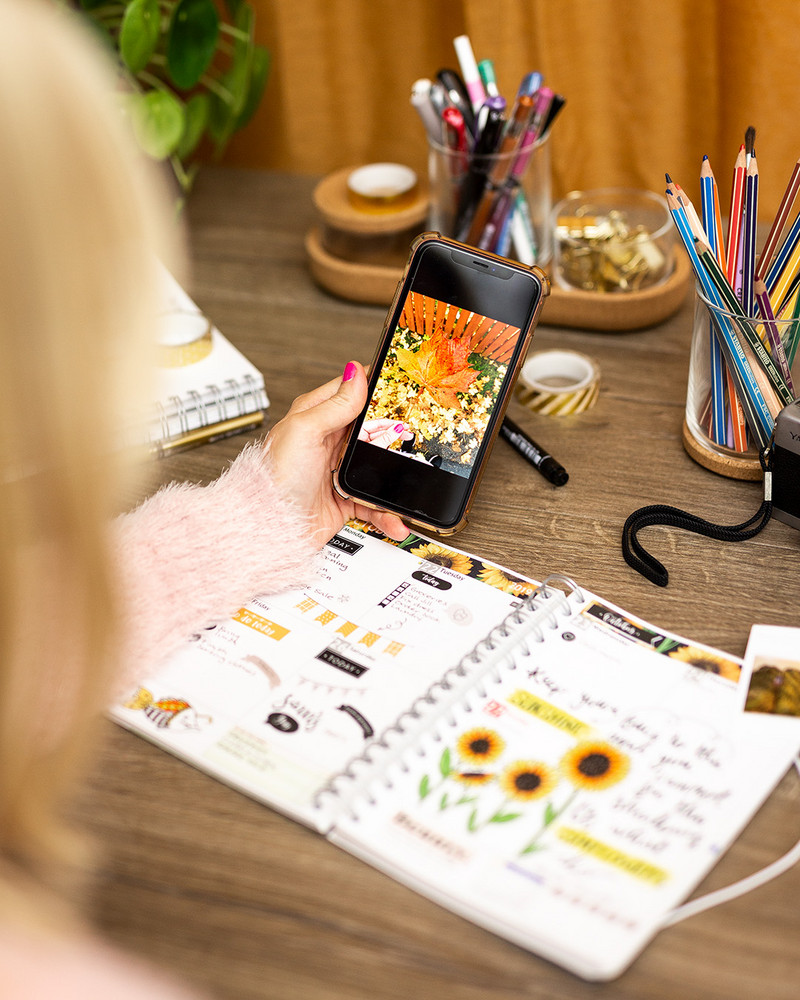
(349, 371)
(398, 427)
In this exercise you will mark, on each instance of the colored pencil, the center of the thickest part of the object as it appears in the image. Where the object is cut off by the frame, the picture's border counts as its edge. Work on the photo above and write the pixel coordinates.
(774, 235)
(750, 225)
(712, 224)
(779, 263)
(779, 291)
(735, 216)
(771, 326)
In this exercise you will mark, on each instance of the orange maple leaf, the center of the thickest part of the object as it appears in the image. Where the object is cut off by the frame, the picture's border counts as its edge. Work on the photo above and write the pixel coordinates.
(441, 366)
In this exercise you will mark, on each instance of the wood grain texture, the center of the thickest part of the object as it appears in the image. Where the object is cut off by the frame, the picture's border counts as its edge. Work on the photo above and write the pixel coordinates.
(245, 903)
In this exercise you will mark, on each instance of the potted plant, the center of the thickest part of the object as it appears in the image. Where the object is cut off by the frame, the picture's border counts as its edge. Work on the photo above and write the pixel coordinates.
(188, 74)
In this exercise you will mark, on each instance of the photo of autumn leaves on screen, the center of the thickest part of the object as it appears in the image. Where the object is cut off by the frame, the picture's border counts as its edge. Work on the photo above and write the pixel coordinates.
(440, 380)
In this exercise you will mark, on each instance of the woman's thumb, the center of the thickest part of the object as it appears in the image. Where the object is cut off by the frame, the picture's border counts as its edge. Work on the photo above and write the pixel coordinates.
(340, 409)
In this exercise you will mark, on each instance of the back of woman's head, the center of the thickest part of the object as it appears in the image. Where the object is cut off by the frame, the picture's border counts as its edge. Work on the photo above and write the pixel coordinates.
(82, 218)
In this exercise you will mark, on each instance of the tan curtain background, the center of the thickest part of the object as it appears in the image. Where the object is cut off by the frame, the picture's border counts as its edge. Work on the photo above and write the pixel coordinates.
(650, 85)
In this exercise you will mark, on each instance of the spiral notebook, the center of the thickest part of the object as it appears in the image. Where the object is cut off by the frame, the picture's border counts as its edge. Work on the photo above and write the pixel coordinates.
(531, 757)
(208, 390)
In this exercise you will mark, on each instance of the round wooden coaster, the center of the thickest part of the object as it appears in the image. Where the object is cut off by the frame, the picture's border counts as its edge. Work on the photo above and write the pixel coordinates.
(732, 466)
(333, 203)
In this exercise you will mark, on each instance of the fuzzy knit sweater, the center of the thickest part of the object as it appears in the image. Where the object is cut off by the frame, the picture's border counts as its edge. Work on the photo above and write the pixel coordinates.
(191, 555)
(187, 556)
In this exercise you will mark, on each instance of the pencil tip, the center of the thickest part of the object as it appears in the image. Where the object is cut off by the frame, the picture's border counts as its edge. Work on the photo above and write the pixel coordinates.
(669, 179)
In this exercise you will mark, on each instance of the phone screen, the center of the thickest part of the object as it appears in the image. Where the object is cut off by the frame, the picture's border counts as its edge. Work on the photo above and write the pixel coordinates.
(451, 347)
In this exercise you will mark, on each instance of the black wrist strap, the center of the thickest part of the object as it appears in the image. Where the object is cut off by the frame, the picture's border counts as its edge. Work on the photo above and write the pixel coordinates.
(640, 559)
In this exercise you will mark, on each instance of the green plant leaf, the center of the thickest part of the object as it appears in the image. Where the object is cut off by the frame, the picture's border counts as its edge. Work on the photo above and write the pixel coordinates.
(472, 822)
(91, 4)
(443, 801)
(139, 33)
(191, 41)
(233, 7)
(549, 814)
(259, 72)
(196, 114)
(445, 767)
(424, 786)
(158, 122)
(237, 79)
(504, 817)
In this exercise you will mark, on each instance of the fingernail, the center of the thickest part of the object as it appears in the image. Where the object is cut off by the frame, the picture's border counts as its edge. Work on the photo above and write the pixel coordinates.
(349, 371)
(398, 427)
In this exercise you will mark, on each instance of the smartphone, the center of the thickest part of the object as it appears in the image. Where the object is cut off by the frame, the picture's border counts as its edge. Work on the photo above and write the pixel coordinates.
(455, 335)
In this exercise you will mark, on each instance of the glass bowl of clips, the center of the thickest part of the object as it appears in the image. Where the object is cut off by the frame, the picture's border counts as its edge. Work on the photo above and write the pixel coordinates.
(612, 240)
(615, 265)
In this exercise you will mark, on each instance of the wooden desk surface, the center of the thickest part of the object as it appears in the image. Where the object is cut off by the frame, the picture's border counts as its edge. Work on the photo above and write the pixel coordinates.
(247, 904)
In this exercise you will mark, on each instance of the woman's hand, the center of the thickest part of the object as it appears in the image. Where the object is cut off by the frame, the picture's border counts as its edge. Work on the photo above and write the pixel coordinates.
(304, 449)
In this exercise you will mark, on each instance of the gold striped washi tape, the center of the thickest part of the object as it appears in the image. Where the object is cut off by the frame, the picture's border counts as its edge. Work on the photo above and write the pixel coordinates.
(558, 383)
(184, 338)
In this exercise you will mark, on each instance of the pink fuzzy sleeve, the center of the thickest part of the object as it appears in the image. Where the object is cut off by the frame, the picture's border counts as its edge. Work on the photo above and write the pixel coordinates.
(190, 555)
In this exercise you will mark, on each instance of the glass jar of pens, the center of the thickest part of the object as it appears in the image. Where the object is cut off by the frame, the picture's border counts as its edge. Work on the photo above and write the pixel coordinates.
(489, 159)
(497, 201)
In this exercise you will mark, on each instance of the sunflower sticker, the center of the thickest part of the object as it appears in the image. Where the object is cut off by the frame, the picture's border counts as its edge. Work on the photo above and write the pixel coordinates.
(525, 780)
(594, 765)
(467, 766)
(480, 746)
(591, 765)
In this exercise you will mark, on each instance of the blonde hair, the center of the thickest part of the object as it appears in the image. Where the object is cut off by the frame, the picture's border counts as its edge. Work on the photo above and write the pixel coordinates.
(82, 219)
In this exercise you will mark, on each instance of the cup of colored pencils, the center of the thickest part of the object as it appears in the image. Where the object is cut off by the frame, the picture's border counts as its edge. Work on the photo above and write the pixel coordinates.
(747, 316)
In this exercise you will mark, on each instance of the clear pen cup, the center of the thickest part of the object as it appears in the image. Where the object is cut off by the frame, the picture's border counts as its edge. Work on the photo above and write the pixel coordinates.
(711, 432)
(517, 219)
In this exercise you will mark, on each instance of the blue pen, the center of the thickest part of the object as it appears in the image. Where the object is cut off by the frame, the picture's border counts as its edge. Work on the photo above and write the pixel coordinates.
(530, 83)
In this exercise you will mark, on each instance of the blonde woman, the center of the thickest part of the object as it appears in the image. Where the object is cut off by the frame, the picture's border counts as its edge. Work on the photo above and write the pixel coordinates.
(81, 596)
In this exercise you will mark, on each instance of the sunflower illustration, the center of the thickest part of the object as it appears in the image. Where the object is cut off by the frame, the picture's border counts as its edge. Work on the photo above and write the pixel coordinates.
(495, 577)
(705, 659)
(594, 765)
(480, 746)
(525, 780)
(441, 556)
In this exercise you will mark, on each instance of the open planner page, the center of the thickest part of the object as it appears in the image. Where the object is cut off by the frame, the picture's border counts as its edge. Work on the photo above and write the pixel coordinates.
(278, 699)
(578, 793)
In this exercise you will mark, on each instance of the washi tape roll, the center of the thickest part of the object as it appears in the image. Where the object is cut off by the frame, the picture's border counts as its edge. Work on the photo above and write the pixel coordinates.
(558, 383)
(184, 338)
(382, 187)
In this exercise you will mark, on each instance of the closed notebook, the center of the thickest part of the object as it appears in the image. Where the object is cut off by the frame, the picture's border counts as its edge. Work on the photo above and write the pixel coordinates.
(548, 766)
(205, 387)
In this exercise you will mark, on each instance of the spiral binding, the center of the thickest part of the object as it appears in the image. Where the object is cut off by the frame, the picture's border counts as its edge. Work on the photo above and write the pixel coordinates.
(490, 656)
(215, 404)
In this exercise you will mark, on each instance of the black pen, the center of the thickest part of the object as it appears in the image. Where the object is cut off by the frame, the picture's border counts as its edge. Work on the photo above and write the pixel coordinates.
(537, 456)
